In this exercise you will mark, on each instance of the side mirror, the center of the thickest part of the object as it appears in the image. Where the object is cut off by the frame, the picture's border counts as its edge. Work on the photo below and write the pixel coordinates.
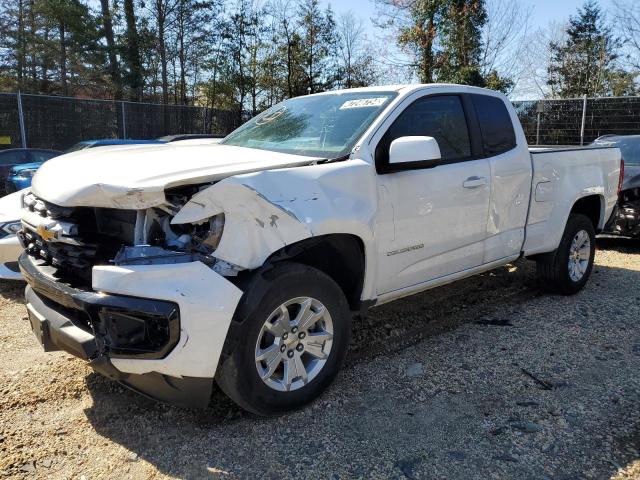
(424, 150)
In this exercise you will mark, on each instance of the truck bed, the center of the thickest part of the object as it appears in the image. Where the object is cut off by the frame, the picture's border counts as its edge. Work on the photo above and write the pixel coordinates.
(562, 175)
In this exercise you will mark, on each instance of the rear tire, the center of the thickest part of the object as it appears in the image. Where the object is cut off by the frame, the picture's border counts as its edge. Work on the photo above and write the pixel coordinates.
(287, 341)
(567, 270)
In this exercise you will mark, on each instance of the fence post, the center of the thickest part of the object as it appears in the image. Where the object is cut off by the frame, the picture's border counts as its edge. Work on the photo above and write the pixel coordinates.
(584, 118)
(124, 122)
(23, 135)
(539, 110)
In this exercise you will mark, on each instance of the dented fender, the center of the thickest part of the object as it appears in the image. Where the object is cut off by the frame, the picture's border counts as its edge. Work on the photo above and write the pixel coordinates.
(254, 226)
(265, 211)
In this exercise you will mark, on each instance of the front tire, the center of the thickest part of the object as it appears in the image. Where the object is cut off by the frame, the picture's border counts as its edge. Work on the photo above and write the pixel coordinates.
(567, 270)
(288, 339)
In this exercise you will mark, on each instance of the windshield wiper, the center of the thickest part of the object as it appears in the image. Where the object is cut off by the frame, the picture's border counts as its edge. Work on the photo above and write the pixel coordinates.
(337, 159)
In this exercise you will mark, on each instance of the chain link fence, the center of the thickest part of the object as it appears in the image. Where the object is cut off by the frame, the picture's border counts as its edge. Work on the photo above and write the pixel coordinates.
(60, 122)
(578, 121)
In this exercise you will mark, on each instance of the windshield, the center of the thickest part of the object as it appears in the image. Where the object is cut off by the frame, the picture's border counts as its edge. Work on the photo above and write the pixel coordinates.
(324, 126)
(629, 148)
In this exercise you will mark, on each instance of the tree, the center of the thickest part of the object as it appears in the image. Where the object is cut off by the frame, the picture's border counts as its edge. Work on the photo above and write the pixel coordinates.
(356, 67)
(76, 39)
(627, 21)
(444, 39)
(131, 53)
(317, 45)
(462, 41)
(114, 68)
(505, 37)
(417, 25)
(586, 62)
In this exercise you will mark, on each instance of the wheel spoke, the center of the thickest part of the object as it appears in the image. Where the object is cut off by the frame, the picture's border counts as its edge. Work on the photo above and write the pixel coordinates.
(301, 370)
(268, 354)
(585, 252)
(318, 337)
(315, 350)
(281, 324)
(289, 373)
(582, 267)
(306, 317)
(272, 366)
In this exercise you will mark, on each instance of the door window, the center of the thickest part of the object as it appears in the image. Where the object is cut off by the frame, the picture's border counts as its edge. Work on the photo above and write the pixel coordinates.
(495, 124)
(441, 117)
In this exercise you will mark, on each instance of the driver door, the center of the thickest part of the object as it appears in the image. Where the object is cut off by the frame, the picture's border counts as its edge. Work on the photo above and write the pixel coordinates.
(440, 213)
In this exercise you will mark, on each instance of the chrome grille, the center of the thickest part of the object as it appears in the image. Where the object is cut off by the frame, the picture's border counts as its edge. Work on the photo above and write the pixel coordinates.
(74, 239)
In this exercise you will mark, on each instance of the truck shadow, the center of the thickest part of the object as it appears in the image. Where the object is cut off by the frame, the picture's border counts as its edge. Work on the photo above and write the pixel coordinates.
(224, 439)
(12, 290)
(622, 245)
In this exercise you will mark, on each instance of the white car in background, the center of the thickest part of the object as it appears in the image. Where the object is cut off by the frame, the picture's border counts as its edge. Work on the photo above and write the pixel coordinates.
(10, 248)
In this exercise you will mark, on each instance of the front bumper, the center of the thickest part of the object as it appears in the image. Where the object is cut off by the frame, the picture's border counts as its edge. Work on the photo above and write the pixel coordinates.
(10, 250)
(64, 318)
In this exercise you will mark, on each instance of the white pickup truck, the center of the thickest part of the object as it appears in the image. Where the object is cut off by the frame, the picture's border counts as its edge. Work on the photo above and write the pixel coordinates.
(170, 267)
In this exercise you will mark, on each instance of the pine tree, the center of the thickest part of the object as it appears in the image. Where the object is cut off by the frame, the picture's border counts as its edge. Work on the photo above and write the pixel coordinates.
(318, 37)
(461, 42)
(585, 63)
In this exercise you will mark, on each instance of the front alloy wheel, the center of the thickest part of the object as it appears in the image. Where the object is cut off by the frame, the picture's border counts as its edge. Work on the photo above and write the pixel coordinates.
(287, 341)
(294, 344)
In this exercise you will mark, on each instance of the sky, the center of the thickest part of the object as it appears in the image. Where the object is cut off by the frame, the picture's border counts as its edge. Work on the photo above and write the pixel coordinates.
(543, 13)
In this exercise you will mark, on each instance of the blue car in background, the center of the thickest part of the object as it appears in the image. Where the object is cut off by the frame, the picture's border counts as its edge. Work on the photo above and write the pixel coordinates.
(20, 175)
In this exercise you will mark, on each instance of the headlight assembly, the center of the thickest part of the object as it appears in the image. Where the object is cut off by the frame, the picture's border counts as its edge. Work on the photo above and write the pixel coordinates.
(208, 234)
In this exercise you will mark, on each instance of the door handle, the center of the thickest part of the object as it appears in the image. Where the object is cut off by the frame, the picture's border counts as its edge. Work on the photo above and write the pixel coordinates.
(474, 182)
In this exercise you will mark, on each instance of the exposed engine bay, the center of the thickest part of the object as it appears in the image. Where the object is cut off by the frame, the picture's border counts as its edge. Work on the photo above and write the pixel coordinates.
(626, 218)
(74, 239)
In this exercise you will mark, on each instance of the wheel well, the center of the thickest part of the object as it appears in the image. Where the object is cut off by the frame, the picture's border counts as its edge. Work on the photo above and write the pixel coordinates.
(590, 207)
(341, 256)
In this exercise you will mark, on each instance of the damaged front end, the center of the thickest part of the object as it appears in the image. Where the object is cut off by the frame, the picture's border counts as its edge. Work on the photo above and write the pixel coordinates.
(625, 220)
(74, 240)
(145, 302)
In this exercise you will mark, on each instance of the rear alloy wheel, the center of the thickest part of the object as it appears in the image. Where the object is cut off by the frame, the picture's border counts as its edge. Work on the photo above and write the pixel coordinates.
(287, 341)
(579, 255)
(567, 270)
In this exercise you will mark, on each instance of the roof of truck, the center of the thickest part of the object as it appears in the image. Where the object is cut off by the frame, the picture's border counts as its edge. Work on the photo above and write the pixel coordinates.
(405, 88)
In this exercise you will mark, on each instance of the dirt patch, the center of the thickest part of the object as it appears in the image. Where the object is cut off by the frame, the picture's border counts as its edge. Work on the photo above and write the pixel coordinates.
(485, 378)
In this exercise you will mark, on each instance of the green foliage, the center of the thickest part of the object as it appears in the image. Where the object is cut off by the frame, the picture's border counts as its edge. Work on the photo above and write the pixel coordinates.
(585, 62)
(246, 55)
(444, 38)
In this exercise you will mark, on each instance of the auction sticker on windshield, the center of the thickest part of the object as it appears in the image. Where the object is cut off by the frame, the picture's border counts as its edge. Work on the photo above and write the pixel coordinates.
(364, 102)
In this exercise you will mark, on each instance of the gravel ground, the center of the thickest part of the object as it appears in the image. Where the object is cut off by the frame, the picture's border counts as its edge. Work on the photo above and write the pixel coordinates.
(485, 378)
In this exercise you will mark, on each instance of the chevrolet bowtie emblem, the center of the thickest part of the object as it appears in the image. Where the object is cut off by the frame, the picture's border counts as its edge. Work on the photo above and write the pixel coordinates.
(46, 234)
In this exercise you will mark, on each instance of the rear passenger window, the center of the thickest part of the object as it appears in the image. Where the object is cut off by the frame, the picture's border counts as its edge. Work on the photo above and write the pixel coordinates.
(495, 124)
(441, 117)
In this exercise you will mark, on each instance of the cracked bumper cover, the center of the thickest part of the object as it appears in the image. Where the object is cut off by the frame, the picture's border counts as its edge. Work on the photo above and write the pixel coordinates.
(184, 374)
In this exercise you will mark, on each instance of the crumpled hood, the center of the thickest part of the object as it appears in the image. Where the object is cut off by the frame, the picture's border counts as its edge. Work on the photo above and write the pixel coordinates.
(135, 176)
